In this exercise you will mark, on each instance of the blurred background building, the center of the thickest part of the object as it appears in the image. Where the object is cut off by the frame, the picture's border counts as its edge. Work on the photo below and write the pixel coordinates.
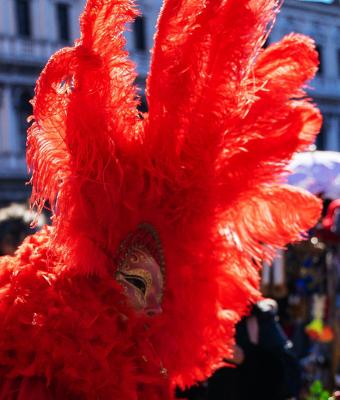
(321, 21)
(31, 30)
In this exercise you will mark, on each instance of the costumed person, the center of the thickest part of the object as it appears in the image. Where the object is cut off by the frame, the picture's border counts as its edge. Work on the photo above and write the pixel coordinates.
(160, 221)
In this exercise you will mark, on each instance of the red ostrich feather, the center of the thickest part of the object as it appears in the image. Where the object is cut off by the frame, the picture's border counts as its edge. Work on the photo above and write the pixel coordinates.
(203, 167)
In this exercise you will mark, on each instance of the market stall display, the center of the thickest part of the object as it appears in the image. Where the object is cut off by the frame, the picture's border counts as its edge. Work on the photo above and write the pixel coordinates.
(309, 273)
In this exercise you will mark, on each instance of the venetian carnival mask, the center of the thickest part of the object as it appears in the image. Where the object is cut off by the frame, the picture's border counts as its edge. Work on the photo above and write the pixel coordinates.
(140, 270)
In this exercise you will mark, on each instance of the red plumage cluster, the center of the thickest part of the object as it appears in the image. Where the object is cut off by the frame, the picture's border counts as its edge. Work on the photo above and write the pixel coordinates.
(203, 166)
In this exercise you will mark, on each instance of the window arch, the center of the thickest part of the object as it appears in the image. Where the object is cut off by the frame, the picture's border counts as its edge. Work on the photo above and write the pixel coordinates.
(321, 138)
(23, 18)
(63, 21)
(139, 30)
(23, 111)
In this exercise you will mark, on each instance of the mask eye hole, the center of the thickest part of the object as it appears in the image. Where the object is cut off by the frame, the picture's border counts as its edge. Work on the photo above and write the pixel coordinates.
(137, 282)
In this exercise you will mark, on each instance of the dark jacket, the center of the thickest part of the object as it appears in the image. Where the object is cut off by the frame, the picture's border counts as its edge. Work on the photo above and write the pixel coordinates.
(270, 371)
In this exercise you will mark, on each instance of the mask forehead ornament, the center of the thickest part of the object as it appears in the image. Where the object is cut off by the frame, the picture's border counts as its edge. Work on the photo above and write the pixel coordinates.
(141, 269)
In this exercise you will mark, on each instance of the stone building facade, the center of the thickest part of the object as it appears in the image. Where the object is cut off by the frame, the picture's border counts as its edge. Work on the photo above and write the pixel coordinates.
(31, 30)
(321, 22)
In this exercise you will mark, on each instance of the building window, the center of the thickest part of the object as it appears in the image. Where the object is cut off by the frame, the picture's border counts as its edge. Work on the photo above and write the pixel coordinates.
(143, 105)
(321, 138)
(63, 20)
(320, 51)
(24, 110)
(139, 33)
(23, 16)
(266, 43)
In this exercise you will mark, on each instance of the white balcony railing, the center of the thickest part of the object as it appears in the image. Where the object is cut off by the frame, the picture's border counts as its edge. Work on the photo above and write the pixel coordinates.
(16, 49)
(326, 87)
(37, 51)
(13, 166)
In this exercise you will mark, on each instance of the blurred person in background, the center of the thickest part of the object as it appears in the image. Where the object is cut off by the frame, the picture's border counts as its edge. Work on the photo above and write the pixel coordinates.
(15, 224)
(264, 366)
(268, 368)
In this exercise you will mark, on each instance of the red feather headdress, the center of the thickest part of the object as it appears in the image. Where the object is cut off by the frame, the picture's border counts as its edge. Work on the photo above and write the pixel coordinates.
(203, 167)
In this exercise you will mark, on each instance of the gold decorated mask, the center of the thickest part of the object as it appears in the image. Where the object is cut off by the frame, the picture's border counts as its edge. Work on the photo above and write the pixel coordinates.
(138, 271)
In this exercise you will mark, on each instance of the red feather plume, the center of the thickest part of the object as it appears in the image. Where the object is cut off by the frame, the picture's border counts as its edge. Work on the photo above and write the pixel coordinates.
(204, 167)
